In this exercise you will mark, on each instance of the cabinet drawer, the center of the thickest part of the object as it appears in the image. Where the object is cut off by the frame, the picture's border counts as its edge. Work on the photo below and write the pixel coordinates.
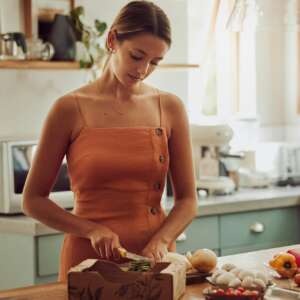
(271, 225)
(201, 233)
(48, 252)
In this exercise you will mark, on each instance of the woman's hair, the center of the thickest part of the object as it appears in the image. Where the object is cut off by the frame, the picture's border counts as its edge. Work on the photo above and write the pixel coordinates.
(141, 17)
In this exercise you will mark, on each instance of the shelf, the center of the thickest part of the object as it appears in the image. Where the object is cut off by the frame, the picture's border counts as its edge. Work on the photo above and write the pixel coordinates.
(26, 64)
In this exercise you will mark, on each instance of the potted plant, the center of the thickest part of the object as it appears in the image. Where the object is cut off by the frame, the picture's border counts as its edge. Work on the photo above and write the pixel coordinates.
(89, 38)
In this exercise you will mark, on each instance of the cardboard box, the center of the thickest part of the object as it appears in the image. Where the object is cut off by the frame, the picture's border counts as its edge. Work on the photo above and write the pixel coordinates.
(101, 279)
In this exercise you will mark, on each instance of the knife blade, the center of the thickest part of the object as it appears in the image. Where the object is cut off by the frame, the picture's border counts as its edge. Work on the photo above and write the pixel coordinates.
(126, 254)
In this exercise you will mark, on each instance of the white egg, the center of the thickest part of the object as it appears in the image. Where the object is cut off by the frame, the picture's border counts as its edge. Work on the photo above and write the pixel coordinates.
(263, 276)
(235, 282)
(235, 271)
(246, 273)
(259, 283)
(225, 278)
(228, 267)
(217, 273)
(247, 282)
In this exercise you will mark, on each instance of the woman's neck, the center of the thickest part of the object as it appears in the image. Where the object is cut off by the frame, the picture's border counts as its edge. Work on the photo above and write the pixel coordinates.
(109, 84)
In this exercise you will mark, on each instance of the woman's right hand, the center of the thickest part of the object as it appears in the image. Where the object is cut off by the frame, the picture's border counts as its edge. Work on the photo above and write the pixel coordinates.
(105, 242)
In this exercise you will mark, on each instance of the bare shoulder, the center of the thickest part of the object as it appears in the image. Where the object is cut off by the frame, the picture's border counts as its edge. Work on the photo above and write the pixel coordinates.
(172, 105)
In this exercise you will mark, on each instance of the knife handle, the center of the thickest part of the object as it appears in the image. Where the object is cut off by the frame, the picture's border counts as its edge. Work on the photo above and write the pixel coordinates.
(122, 251)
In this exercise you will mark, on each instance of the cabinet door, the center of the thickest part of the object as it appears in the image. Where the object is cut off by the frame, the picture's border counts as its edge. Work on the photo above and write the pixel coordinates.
(259, 229)
(201, 233)
(48, 251)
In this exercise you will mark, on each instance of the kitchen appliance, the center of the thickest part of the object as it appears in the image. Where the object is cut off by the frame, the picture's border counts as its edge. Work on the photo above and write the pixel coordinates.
(15, 161)
(12, 46)
(211, 174)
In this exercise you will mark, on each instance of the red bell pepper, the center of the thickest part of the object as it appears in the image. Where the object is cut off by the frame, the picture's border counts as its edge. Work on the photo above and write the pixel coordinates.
(296, 254)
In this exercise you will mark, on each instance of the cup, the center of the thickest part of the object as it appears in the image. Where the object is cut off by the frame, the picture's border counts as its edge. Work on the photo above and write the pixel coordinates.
(37, 50)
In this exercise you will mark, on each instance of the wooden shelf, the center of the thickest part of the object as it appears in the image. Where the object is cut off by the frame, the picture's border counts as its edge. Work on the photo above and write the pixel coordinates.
(26, 64)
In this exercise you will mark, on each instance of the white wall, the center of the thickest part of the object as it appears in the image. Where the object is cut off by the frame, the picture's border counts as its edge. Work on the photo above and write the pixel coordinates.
(26, 95)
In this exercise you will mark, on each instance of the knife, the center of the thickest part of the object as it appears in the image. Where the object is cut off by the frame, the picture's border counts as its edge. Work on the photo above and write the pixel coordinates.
(126, 254)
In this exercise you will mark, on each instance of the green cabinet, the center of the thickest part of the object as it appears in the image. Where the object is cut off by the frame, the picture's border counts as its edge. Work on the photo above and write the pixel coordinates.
(249, 231)
(203, 232)
(28, 260)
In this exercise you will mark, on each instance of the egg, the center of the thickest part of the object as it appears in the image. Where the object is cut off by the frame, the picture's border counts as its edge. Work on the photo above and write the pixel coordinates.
(228, 267)
(246, 273)
(235, 282)
(224, 278)
(259, 283)
(217, 273)
(247, 282)
(264, 277)
(235, 271)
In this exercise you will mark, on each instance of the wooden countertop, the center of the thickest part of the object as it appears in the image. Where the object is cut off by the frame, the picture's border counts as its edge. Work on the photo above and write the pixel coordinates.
(58, 291)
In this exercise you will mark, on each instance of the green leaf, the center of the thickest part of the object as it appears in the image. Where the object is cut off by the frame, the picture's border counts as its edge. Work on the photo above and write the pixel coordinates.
(100, 26)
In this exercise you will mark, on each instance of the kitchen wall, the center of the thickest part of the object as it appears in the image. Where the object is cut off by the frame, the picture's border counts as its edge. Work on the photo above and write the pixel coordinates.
(26, 95)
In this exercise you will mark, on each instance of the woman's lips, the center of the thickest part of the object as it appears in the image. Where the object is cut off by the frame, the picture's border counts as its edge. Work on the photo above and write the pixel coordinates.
(134, 77)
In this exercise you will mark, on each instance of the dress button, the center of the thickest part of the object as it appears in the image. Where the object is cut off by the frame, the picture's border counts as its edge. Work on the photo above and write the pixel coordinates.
(153, 210)
(158, 131)
(162, 158)
(157, 186)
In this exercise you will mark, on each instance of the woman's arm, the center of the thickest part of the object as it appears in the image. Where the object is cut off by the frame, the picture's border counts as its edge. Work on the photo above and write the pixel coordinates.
(57, 133)
(182, 177)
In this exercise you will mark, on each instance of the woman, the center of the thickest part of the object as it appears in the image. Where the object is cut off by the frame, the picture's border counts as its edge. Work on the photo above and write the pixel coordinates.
(119, 136)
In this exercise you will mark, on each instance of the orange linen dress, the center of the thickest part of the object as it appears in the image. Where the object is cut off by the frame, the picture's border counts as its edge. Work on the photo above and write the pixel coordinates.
(117, 175)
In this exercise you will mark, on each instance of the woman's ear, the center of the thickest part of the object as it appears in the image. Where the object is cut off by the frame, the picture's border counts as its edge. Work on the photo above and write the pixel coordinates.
(111, 41)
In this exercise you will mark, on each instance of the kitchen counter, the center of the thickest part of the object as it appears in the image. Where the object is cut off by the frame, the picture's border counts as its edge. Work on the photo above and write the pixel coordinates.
(251, 260)
(243, 200)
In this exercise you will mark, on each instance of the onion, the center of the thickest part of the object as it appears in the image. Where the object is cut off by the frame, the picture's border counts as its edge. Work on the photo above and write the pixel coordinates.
(204, 260)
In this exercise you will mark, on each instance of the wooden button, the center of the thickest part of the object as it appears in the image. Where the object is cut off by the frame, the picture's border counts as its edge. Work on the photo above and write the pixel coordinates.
(157, 186)
(158, 131)
(153, 210)
(162, 158)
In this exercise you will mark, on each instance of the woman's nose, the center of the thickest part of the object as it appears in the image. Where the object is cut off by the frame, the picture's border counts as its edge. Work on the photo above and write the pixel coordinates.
(143, 69)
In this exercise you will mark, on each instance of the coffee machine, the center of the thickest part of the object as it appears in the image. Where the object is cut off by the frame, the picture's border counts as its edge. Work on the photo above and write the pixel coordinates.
(208, 140)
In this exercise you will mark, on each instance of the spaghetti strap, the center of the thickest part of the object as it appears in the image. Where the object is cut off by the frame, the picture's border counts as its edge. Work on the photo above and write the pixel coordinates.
(80, 112)
(160, 110)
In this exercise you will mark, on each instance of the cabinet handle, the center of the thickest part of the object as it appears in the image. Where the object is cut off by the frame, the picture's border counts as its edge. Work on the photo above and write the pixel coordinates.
(182, 237)
(257, 227)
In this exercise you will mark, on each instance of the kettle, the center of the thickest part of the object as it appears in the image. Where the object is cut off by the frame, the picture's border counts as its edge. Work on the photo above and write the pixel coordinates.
(12, 46)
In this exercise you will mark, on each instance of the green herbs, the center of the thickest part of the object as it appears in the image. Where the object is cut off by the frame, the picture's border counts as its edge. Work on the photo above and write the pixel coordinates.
(139, 266)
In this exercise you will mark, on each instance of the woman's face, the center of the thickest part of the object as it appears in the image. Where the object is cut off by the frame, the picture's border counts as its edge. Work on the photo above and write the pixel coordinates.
(136, 58)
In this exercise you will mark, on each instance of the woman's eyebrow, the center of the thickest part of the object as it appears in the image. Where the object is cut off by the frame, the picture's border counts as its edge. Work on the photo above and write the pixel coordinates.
(144, 53)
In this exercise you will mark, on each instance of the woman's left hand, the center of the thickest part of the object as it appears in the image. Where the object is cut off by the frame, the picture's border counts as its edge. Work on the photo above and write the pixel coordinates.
(155, 250)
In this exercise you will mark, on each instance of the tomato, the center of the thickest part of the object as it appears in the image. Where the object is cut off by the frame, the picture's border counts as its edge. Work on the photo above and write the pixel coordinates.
(230, 291)
(220, 292)
(297, 279)
(241, 289)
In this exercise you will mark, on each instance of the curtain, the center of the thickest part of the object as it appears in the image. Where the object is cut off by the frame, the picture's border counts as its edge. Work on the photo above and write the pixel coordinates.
(220, 64)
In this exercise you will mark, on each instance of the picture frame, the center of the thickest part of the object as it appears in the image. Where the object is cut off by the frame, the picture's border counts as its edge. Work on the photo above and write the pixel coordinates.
(39, 14)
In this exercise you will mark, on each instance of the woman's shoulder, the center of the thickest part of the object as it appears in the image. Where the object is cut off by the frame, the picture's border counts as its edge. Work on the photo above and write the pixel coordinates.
(69, 101)
(171, 103)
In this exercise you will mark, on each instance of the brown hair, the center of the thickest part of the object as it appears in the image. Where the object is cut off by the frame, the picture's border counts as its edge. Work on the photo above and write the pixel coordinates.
(139, 17)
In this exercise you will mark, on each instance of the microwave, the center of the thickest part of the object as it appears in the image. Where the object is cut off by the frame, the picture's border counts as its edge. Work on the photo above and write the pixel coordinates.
(16, 158)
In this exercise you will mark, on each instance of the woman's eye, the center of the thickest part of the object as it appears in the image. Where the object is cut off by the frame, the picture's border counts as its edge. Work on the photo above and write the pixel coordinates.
(154, 63)
(135, 57)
